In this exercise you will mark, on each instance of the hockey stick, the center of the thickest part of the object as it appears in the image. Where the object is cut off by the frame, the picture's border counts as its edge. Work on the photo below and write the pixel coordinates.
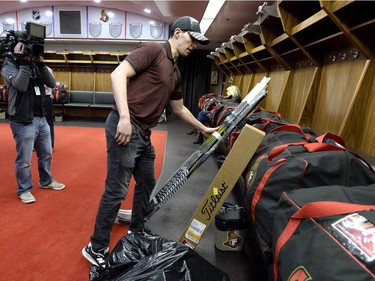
(248, 104)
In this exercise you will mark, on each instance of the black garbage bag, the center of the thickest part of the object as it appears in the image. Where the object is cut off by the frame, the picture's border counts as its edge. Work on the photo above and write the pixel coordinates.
(153, 258)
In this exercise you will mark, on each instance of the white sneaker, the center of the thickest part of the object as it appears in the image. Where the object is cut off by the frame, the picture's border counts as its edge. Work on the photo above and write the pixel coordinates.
(54, 185)
(27, 197)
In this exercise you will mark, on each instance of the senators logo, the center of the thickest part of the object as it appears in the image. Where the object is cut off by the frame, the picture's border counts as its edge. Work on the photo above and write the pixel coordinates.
(233, 240)
(104, 16)
(250, 177)
(300, 274)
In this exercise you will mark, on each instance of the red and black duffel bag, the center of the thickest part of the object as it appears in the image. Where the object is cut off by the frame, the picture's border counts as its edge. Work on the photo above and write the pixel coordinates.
(221, 111)
(60, 94)
(266, 120)
(261, 119)
(3, 94)
(208, 101)
(299, 165)
(325, 233)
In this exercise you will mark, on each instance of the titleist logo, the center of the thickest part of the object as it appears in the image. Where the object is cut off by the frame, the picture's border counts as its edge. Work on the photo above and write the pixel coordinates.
(212, 202)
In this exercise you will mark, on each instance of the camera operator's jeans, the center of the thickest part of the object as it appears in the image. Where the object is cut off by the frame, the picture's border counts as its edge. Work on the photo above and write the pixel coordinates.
(137, 159)
(27, 137)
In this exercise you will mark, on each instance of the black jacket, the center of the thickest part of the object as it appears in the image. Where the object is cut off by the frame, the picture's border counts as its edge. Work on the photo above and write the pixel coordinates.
(21, 77)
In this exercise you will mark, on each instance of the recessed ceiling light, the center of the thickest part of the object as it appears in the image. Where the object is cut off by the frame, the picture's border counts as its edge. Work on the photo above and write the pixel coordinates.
(210, 14)
(148, 11)
(97, 1)
(10, 21)
(23, 1)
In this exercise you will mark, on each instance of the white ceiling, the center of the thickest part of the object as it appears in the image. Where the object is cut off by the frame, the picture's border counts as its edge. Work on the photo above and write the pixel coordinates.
(230, 20)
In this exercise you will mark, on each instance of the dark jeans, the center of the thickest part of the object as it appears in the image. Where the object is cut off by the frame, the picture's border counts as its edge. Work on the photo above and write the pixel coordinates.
(49, 117)
(135, 159)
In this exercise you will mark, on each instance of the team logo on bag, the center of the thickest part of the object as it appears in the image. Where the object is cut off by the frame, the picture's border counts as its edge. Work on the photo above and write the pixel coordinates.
(300, 274)
(234, 240)
(250, 177)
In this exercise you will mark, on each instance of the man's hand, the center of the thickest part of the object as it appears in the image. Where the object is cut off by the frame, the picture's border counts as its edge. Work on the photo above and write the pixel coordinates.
(124, 132)
(208, 131)
(20, 52)
(19, 49)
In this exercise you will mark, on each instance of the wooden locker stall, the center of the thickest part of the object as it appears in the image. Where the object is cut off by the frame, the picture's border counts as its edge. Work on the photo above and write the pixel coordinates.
(62, 74)
(276, 89)
(298, 101)
(320, 57)
(245, 86)
(358, 131)
(82, 79)
(103, 80)
(233, 80)
(338, 89)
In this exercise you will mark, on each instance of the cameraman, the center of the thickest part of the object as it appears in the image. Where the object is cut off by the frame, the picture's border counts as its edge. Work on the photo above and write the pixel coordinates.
(25, 80)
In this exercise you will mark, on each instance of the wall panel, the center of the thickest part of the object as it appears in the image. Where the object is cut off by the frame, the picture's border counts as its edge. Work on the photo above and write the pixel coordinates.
(337, 91)
(297, 97)
(276, 89)
(103, 81)
(82, 79)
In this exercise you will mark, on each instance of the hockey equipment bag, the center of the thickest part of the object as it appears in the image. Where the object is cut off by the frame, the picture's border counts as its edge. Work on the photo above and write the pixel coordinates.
(325, 233)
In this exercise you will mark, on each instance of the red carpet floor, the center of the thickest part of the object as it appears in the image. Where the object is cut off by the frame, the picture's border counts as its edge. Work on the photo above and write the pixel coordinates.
(43, 240)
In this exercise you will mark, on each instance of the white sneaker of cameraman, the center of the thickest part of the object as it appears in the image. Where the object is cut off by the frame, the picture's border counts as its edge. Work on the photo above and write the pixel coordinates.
(27, 197)
(54, 185)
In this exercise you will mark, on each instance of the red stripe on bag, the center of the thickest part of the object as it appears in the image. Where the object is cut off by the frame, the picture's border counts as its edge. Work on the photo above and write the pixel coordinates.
(316, 147)
(284, 237)
(329, 209)
(259, 189)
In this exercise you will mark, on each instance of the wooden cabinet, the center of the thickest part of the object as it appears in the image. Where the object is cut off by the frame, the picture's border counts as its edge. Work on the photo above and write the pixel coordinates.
(84, 57)
(320, 57)
(84, 70)
(301, 35)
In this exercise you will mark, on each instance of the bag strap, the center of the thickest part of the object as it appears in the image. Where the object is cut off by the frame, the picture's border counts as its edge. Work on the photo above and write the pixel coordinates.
(316, 147)
(291, 128)
(328, 209)
(267, 121)
(277, 150)
(314, 210)
(329, 135)
(277, 114)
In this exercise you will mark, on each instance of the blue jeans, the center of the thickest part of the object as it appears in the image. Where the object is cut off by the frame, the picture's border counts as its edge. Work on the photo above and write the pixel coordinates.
(27, 137)
(134, 159)
(203, 117)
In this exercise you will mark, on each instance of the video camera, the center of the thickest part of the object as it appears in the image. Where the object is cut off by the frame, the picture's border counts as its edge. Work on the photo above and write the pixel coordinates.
(32, 38)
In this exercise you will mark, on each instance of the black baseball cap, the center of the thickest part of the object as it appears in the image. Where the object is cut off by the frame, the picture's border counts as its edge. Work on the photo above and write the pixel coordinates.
(190, 25)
